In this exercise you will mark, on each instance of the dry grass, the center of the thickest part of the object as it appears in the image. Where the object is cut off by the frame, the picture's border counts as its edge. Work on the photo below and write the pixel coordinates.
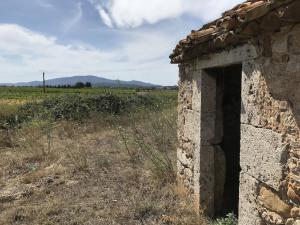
(153, 136)
(12, 102)
(80, 174)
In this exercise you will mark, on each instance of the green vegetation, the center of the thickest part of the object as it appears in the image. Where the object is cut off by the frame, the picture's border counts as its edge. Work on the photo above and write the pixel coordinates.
(25, 104)
(91, 156)
(230, 219)
(30, 93)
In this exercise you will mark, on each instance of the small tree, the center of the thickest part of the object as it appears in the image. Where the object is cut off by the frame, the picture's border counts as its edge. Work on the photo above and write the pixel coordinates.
(88, 84)
(79, 85)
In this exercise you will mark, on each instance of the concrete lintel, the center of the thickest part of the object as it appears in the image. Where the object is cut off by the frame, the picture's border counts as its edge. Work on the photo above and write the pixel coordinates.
(225, 58)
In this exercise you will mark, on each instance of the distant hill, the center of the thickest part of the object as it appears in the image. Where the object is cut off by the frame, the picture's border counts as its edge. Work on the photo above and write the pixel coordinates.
(94, 80)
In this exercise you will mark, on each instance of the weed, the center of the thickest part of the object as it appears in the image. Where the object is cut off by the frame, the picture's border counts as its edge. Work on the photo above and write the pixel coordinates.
(103, 163)
(6, 138)
(31, 167)
(77, 156)
(39, 142)
(230, 219)
(145, 209)
(47, 126)
(155, 139)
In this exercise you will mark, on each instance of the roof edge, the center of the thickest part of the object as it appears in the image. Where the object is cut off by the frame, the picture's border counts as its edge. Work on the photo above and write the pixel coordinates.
(236, 27)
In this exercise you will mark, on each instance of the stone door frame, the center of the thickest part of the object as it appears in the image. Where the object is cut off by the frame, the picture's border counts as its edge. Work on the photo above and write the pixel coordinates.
(204, 149)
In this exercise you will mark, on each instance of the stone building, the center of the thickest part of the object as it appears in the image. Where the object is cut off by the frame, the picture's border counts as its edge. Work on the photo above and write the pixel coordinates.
(239, 113)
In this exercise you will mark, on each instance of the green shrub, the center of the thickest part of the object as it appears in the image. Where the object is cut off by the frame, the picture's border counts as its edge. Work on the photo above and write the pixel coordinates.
(230, 219)
(79, 107)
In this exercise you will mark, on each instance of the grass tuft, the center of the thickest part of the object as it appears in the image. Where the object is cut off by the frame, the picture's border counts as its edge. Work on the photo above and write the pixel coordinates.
(229, 219)
(152, 135)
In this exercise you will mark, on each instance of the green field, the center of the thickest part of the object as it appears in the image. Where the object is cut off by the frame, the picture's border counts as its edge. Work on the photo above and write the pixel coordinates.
(29, 93)
(37, 92)
(19, 104)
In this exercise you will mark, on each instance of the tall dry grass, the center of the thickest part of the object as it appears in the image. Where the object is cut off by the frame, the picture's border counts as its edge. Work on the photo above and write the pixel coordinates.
(152, 135)
(130, 158)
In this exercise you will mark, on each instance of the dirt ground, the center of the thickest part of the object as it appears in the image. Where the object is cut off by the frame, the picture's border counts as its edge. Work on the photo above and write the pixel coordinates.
(80, 174)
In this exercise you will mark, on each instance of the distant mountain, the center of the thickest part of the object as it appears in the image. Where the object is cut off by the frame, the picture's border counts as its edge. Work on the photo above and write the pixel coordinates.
(94, 80)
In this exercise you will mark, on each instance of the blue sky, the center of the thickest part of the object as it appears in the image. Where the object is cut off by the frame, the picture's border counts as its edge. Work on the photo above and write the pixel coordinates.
(116, 39)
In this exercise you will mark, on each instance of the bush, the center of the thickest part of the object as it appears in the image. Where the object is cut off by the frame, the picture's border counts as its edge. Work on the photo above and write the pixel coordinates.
(230, 219)
(78, 107)
(79, 85)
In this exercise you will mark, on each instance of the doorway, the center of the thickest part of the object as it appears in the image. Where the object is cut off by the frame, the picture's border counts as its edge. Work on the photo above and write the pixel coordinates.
(227, 138)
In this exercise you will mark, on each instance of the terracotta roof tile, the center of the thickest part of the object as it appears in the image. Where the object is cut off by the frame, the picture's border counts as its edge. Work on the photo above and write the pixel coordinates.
(237, 26)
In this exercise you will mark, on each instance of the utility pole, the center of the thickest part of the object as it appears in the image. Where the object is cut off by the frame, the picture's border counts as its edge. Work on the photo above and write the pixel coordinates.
(44, 82)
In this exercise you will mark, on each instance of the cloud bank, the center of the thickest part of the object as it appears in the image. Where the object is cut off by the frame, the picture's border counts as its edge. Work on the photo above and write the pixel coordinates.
(25, 53)
(134, 13)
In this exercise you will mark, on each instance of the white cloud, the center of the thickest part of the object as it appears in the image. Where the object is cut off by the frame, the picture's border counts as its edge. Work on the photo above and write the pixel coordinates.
(105, 16)
(44, 4)
(75, 19)
(24, 53)
(134, 13)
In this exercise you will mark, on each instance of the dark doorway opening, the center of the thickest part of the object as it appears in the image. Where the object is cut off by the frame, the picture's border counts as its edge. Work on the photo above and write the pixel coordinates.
(227, 141)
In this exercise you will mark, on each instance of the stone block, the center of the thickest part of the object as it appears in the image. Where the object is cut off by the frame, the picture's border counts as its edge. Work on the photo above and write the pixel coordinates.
(295, 212)
(293, 43)
(207, 130)
(292, 66)
(250, 109)
(248, 208)
(191, 127)
(180, 168)
(187, 147)
(208, 93)
(196, 98)
(272, 218)
(280, 43)
(292, 222)
(272, 202)
(186, 162)
(204, 179)
(180, 123)
(262, 152)
(297, 222)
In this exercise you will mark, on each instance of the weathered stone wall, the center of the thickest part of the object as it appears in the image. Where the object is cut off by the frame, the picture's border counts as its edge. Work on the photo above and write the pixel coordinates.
(270, 134)
(188, 125)
(270, 142)
(196, 130)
